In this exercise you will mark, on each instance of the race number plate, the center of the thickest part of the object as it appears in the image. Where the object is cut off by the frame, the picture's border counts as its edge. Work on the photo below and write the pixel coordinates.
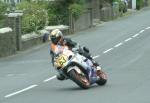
(61, 61)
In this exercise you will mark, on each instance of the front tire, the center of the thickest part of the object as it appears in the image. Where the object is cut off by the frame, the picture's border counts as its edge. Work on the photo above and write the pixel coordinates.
(79, 79)
(103, 78)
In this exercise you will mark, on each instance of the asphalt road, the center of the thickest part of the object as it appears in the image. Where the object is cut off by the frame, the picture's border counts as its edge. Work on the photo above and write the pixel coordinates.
(120, 46)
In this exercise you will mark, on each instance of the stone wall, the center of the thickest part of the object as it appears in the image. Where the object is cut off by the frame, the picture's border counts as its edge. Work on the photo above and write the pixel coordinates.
(14, 21)
(95, 5)
(7, 42)
(83, 22)
(31, 41)
(106, 13)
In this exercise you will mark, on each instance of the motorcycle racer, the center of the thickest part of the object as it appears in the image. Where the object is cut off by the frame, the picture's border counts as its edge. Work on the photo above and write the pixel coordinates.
(59, 42)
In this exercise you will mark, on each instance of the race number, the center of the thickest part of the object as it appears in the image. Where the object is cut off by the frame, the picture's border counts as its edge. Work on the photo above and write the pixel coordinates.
(61, 61)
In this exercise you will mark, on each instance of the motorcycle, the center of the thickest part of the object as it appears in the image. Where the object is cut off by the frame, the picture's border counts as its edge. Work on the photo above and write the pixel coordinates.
(79, 69)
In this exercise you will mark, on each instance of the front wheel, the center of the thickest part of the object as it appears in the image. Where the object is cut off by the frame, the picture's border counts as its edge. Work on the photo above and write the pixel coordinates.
(103, 78)
(79, 79)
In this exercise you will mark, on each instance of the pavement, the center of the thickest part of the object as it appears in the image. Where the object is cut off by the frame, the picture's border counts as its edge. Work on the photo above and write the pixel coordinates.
(121, 47)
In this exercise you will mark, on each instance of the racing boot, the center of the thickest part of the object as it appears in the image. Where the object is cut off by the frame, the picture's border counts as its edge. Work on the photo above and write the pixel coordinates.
(100, 73)
(98, 68)
(60, 77)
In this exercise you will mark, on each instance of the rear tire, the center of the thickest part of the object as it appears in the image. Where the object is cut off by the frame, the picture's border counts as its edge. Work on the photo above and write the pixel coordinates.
(81, 81)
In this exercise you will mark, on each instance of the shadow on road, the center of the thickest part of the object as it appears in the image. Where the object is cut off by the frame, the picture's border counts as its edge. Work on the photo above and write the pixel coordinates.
(76, 88)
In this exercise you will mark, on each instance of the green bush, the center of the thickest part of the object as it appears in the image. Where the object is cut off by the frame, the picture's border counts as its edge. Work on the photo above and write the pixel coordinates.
(76, 10)
(3, 9)
(122, 5)
(58, 13)
(36, 13)
(34, 17)
(116, 1)
(82, 2)
(139, 4)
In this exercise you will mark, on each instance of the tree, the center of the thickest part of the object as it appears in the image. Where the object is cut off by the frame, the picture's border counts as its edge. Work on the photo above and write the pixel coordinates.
(58, 11)
(3, 9)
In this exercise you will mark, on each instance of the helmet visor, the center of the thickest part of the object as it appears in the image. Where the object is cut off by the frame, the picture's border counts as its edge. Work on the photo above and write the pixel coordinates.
(55, 40)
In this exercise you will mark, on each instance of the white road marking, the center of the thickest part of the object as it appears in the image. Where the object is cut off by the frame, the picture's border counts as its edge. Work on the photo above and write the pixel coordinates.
(22, 74)
(108, 50)
(135, 35)
(10, 75)
(128, 39)
(147, 28)
(23, 90)
(96, 56)
(53, 77)
(141, 31)
(119, 44)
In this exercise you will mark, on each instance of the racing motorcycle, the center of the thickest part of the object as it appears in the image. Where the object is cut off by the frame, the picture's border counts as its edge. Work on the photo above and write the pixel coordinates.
(79, 69)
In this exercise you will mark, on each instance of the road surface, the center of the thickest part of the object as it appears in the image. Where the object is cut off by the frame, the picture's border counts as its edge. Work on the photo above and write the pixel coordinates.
(122, 47)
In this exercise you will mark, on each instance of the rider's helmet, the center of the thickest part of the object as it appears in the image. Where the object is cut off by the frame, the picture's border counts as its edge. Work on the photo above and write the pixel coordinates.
(56, 35)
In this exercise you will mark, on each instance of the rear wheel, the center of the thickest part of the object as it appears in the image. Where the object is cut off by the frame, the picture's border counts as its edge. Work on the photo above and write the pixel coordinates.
(79, 79)
(103, 78)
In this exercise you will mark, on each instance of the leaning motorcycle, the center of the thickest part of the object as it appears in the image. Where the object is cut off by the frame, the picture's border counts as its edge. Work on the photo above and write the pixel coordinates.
(79, 69)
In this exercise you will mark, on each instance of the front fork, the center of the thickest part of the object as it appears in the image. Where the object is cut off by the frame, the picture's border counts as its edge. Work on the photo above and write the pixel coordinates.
(91, 71)
(92, 75)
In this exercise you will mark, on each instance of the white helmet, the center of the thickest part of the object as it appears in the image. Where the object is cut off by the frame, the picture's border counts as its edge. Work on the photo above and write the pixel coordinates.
(56, 35)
